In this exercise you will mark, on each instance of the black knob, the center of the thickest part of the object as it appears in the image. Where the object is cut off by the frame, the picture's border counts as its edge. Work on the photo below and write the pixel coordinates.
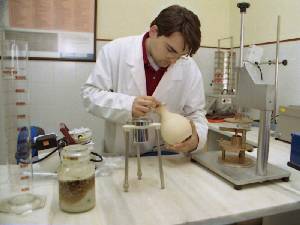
(284, 62)
(243, 6)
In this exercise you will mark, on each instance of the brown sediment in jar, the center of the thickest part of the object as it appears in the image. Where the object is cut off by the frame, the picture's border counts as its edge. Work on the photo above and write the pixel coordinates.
(74, 190)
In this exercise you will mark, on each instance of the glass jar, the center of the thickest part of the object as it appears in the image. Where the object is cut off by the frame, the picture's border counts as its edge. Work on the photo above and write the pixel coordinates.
(76, 176)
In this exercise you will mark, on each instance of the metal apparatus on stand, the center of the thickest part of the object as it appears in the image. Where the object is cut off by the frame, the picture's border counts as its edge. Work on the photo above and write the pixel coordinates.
(224, 79)
(252, 95)
(220, 102)
(139, 130)
(236, 148)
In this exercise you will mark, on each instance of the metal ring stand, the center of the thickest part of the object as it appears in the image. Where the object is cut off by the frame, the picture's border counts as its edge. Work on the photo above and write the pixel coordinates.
(140, 135)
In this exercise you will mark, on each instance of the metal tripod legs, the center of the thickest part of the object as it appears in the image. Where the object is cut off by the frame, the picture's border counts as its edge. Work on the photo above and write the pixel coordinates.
(161, 172)
(127, 129)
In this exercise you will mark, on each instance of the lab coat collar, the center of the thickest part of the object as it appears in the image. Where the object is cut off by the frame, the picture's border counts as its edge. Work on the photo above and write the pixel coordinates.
(136, 62)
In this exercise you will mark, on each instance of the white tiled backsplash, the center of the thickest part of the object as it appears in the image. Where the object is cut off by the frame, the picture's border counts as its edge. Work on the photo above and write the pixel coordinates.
(55, 88)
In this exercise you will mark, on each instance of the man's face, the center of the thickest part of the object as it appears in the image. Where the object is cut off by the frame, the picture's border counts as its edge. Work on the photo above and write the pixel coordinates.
(166, 50)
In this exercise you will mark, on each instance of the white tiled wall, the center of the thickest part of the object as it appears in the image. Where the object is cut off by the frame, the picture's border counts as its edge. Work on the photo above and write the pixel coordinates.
(55, 96)
(205, 60)
(288, 76)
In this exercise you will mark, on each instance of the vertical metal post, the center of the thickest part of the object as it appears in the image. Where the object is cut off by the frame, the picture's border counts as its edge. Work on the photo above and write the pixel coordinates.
(138, 153)
(242, 40)
(231, 66)
(263, 143)
(161, 172)
(244, 139)
(243, 7)
(126, 136)
(276, 70)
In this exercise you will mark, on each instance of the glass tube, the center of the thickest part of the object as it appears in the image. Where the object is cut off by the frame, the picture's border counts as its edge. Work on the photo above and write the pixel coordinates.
(17, 146)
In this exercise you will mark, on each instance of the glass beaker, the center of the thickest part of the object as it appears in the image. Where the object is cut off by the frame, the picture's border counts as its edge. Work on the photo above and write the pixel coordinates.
(76, 176)
(16, 120)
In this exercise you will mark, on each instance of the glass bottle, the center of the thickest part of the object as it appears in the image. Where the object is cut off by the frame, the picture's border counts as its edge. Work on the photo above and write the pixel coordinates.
(76, 176)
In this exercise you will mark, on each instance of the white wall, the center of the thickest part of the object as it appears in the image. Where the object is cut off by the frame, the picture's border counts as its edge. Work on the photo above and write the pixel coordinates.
(205, 60)
(55, 97)
(122, 18)
(219, 18)
(288, 76)
(261, 20)
(260, 26)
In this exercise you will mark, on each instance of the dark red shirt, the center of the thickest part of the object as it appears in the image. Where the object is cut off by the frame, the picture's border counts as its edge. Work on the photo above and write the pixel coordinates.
(152, 77)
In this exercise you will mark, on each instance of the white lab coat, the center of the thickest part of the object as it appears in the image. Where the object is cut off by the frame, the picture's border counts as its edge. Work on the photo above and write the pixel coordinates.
(119, 76)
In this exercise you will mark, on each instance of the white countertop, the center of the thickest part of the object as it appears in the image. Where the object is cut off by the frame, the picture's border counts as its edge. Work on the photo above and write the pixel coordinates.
(192, 195)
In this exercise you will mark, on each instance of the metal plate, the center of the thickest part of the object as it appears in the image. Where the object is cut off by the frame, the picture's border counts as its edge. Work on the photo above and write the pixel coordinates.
(241, 176)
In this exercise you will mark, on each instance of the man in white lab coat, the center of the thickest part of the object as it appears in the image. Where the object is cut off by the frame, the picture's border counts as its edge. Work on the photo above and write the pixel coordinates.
(134, 74)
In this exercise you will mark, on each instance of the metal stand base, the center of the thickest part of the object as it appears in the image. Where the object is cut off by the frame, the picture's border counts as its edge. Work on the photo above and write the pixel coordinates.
(239, 176)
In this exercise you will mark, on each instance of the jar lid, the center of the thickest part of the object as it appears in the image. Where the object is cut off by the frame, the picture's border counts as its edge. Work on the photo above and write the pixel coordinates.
(81, 135)
(75, 152)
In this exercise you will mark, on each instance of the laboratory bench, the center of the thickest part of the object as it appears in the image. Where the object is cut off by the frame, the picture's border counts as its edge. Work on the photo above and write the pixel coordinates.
(193, 195)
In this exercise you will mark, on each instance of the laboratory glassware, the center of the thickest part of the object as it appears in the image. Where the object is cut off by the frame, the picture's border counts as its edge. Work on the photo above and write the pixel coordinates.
(76, 176)
(15, 107)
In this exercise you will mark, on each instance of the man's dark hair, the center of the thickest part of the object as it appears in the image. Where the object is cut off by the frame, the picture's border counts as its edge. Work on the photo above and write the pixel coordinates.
(176, 18)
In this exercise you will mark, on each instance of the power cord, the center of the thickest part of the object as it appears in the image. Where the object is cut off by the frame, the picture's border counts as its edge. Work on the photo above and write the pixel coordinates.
(62, 143)
(258, 66)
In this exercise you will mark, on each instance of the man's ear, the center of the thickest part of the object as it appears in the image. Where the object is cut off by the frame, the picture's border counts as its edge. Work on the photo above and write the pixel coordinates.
(153, 32)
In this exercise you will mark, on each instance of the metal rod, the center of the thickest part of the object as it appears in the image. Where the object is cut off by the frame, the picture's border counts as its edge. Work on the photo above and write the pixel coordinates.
(242, 41)
(270, 62)
(239, 109)
(276, 70)
(241, 57)
(243, 8)
(139, 170)
(127, 136)
(263, 143)
(244, 138)
(242, 155)
(161, 172)
(231, 65)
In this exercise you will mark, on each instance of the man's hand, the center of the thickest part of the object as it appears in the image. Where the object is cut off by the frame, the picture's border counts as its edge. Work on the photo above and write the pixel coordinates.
(188, 145)
(142, 105)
